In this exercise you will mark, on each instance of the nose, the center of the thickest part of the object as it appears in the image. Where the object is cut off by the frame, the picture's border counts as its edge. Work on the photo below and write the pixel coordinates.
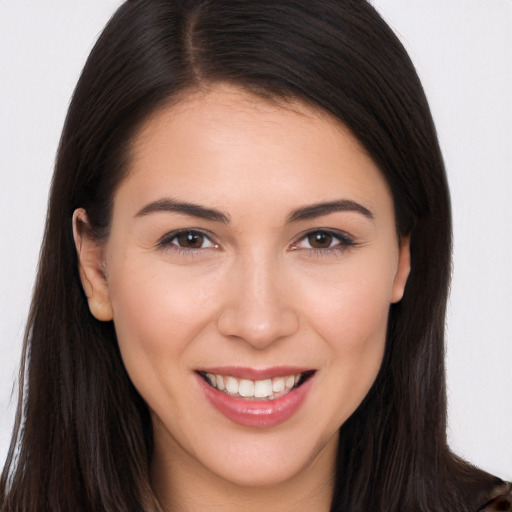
(256, 310)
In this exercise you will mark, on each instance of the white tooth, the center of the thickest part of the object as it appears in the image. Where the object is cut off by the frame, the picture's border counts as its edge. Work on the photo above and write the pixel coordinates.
(231, 385)
(262, 388)
(219, 379)
(297, 378)
(289, 382)
(211, 379)
(246, 388)
(278, 384)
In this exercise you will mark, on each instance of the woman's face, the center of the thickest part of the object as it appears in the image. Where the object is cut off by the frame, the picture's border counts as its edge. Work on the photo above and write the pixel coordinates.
(252, 246)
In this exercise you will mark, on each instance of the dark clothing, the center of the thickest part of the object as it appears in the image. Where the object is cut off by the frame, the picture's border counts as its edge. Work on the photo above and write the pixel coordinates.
(501, 501)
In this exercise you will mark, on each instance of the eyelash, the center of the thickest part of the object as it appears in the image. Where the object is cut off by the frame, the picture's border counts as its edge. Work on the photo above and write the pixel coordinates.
(166, 242)
(343, 240)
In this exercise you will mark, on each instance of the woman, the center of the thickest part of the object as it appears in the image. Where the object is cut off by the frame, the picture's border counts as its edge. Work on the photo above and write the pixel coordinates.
(225, 167)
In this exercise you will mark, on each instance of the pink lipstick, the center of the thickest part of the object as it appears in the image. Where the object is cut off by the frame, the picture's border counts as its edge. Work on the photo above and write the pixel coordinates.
(273, 397)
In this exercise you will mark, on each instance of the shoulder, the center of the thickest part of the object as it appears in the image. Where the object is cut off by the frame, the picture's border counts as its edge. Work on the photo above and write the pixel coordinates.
(501, 500)
(474, 490)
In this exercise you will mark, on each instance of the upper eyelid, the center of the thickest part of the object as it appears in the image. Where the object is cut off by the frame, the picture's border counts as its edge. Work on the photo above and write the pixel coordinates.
(343, 236)
(173, 234)
(337, 233)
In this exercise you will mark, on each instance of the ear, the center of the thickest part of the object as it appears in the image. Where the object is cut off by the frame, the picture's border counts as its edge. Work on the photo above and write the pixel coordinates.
(403, 269)
(91, 267)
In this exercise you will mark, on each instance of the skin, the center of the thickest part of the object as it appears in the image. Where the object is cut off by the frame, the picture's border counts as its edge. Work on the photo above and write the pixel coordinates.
(255, 292)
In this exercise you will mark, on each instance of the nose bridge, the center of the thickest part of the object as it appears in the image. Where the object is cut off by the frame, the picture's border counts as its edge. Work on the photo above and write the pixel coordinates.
(258, 310)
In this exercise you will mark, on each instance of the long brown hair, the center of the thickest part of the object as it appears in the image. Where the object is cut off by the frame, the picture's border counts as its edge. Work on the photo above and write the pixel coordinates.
(83, 437)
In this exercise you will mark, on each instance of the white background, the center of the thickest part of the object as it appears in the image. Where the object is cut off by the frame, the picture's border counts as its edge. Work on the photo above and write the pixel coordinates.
(463, 53)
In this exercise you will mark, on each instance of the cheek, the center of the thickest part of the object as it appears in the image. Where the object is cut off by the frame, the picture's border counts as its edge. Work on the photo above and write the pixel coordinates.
(360, 338)
(350, 314)
(355, 331)
(150, 295)
(157, 314)
(350, 309)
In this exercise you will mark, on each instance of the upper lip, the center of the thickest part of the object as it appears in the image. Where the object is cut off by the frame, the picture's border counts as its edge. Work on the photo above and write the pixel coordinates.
(242, 372)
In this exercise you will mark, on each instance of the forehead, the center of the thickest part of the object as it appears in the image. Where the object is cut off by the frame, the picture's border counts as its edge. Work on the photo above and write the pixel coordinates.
(223, 144)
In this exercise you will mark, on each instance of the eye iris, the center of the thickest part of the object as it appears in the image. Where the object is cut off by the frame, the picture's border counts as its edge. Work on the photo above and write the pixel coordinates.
(190, 240)
(320, 240)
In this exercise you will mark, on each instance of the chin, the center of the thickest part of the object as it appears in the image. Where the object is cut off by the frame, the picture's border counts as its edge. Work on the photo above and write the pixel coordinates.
(267, 459)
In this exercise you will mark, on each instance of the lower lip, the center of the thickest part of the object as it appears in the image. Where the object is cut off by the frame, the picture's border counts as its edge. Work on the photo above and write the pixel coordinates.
(257, 413)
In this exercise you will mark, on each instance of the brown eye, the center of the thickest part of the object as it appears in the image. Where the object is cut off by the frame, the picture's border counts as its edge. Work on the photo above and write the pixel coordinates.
(187, 240)
(190, 240)
(324, 242)
(320, 240)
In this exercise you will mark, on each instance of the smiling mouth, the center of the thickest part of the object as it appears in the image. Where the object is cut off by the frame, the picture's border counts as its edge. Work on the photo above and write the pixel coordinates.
(265, 389)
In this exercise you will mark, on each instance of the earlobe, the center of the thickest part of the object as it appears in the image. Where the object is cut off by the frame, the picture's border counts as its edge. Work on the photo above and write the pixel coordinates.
(91, 267)
(403, 269)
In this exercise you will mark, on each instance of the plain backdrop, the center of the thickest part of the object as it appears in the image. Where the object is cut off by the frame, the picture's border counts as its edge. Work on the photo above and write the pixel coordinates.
(463, 52)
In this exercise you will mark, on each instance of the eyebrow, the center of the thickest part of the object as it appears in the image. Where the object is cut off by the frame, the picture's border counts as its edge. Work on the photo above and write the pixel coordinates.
(307, 212)
(318, 210)
(195, 210)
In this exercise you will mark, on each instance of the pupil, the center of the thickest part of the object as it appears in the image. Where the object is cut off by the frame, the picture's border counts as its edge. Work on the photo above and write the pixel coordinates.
(190, 240)
(320, 240)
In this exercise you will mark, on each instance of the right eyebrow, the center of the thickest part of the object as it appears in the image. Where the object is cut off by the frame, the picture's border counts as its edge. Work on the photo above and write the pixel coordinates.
(168, 204)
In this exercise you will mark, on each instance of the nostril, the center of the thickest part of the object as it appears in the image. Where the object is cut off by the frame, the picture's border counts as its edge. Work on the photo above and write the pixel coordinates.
(258, 325)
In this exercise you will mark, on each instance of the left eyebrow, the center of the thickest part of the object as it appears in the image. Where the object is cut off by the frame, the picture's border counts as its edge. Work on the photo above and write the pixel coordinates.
(318, 210)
